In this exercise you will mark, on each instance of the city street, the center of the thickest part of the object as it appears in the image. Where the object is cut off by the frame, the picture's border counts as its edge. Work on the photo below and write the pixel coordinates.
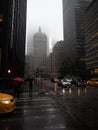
(48, 65)
(53, 109)
(80, 102)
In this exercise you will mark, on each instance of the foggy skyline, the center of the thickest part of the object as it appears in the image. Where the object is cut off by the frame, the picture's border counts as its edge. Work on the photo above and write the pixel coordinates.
(48, 15)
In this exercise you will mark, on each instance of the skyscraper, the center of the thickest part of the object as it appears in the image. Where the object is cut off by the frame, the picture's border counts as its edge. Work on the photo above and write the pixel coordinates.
(12, 36)
(39, 50)
(57, 56)
(73, 15)
(91, 36)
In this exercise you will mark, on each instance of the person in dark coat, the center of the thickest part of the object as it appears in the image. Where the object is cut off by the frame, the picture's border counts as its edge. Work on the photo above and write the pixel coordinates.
(16, 88)
(30, 85)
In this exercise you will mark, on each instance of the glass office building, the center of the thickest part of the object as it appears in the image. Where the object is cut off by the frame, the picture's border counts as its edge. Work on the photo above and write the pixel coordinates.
(73, 15)
(91, 36)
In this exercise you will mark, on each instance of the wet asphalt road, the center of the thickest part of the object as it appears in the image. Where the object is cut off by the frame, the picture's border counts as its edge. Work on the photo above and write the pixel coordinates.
(44, 110)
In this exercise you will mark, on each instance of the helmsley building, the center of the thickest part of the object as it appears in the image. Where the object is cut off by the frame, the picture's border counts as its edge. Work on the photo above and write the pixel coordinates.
(40, 50)
(12, 37)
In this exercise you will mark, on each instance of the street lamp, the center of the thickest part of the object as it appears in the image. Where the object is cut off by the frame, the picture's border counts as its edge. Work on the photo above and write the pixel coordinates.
(9, 71)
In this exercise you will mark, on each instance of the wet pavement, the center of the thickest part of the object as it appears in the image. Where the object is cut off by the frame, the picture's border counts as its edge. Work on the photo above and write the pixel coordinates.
(81, 103)
(69, 109)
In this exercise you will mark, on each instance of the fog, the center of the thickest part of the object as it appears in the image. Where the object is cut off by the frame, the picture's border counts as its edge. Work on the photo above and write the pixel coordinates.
(48, 15)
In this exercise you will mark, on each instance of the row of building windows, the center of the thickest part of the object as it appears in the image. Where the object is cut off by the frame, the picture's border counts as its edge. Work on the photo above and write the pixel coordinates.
(91, 24)
(91, 42)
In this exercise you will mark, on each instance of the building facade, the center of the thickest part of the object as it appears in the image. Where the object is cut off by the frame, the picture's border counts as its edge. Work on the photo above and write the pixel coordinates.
(4, 36)
(50, 63)
(40, 48)
(73, 14)
(91, 36)
(12, 36)
(57, 57)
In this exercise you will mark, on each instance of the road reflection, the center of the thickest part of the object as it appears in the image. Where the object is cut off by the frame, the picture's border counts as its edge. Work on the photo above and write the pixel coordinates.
(70, 91)
(81, 91)
(77, 91)
(63, 91)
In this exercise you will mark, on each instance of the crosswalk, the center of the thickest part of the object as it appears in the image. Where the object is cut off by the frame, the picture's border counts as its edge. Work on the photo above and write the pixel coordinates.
(36, 109)
(38, 112)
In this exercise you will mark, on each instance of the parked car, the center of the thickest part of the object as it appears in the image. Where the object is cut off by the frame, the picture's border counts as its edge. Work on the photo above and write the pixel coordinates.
(7, 103)
(92, 82)
(64, 83)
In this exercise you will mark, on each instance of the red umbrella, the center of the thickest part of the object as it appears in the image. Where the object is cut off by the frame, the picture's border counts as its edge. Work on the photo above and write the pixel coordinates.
(18, 79)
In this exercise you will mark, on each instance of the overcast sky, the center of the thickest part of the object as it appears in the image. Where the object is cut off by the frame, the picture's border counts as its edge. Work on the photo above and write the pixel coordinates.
(48, 15)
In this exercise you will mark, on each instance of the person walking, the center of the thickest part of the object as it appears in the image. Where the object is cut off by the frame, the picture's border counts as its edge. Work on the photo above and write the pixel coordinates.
(15, 88)
(30, 85)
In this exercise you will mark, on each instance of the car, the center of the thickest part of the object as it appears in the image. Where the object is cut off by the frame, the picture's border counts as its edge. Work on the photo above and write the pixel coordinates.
(81, 84)
(78, 83)
(64, 83)
(7, 100)
(92, 82)
(54, 80)
(7, 103)
(74, 82)
(68, 79)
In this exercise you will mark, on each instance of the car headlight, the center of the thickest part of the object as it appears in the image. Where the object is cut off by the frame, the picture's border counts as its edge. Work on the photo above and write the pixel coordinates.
(5, 101)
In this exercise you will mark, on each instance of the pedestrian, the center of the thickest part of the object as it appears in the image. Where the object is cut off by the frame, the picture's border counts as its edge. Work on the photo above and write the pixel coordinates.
(33, 81)
(30, 85)
(15, 85)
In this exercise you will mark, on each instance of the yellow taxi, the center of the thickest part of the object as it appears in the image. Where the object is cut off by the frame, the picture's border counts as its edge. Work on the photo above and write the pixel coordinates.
(92, 82)
(55, 80)
(7, 103)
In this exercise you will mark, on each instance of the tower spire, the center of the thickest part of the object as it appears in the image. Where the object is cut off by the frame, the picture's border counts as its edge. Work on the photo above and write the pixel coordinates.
(39, 29)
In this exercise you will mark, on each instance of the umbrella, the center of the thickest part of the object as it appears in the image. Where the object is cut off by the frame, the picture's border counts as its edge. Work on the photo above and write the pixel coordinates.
(18, 79)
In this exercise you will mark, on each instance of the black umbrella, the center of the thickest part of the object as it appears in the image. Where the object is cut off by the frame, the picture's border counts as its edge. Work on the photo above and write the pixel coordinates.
(29, 79)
